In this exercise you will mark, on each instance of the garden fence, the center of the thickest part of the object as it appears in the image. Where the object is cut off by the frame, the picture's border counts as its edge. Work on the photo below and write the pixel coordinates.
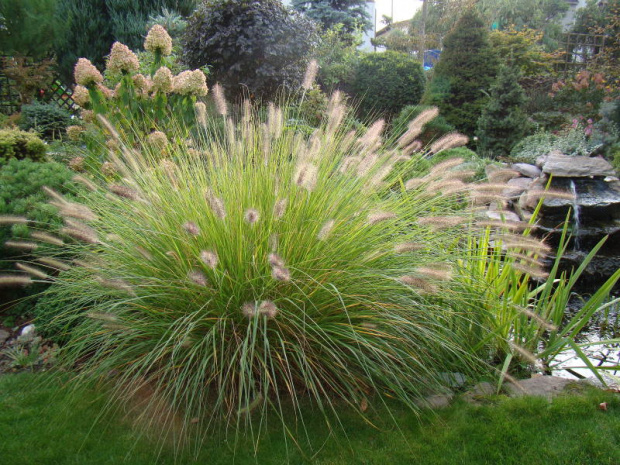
(54, 92)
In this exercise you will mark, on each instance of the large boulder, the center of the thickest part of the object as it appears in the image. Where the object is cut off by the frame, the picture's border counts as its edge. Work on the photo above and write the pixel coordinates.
(563, 166)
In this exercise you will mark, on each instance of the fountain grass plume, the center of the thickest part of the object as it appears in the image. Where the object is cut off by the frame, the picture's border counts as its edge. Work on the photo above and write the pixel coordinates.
(248, 277)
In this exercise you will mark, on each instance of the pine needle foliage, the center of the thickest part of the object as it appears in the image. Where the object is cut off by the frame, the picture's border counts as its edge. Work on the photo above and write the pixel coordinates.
(261, 268)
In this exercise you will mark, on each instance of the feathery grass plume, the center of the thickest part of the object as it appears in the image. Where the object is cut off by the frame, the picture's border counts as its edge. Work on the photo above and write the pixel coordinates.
(109, 317)
(378, 217)
(534, 271)
(524, 353)
(275, 260)
(438, 272)
(14, 280)
(367, 164)
(53, 263)
(33, 271)
(306, 176)
(75, 210)
(442, 222)
(459, 175)
(349, 164)
(280, 208)
(124, 191)
(54, 195)
(249, 309)
(11, 219)
(220, 100)
(412, 148)
(145, 253)
(280, 273)
(117, 284)
(372, 137)
(216, 204)
(523, 243)
(24, 245)
(509, 225)
(448, 187)
(268, 309)
(311, 71)
(251, 215)
(440, 169)
(209, 258)
(528, 260)
(408, 247)
(335, 112)
(326, 230)
(415, 126)
(414, 183)
(537, 318)
(198, 277)
(273, 242)
(421, 284)
(201, 113)
(191, 228)
(449, 141)
(550, 194)
(81, 234)
(502, 175)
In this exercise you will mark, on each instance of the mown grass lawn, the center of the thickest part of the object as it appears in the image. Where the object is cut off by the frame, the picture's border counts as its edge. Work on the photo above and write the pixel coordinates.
(37, 428)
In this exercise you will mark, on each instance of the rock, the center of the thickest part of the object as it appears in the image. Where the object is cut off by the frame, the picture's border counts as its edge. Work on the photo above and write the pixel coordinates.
(543, 386)
(540, 161)
(4, 335)
(527, 170)
(563, 166)
(454, 380)
(502, 215)
(474, 395)
(28, 330)
(516, 187)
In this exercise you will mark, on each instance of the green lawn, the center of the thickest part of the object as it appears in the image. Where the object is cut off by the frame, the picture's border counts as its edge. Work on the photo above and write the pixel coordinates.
(36, 427)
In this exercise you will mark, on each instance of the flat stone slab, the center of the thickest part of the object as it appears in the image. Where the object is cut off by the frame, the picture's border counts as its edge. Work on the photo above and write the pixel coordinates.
(516, 186)
(563, 166)
(437, 401)
(543, 386)
(527, 170)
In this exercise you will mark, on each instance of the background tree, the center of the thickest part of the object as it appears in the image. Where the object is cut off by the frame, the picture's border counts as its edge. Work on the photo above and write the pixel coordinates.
(338, 59)
(503, 122)
(27, 27)
(258, 46)
(464, 73)
(352, 14)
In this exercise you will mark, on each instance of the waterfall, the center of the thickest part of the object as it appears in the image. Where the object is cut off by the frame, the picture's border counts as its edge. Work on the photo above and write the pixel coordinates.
(576, 219)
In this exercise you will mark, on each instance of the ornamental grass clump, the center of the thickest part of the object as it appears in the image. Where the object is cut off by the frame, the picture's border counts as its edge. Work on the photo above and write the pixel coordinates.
(265, 269)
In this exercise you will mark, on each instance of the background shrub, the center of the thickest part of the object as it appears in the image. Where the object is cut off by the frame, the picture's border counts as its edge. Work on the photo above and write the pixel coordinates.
(48, 120)
(258, 47)
(570, 141)
(386, 82)
(20, 145)
(21, 195)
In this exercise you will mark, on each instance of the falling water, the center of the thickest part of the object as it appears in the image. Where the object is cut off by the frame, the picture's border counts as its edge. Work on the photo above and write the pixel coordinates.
(576, 219)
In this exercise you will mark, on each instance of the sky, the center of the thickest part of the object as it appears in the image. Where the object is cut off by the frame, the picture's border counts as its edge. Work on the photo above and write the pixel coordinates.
(403, 9)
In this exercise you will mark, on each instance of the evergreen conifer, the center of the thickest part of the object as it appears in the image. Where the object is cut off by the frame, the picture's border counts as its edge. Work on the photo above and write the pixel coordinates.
(464, 74)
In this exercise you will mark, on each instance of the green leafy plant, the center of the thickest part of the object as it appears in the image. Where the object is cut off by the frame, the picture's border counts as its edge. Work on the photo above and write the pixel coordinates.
(260, 268)
(20, 145)
(48, 120)
(386, 82)
(526, 306)
(570, 141)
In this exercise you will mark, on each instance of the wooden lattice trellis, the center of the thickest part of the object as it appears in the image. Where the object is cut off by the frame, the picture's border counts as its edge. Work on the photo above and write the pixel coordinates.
(581, 50)
(54, 92)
